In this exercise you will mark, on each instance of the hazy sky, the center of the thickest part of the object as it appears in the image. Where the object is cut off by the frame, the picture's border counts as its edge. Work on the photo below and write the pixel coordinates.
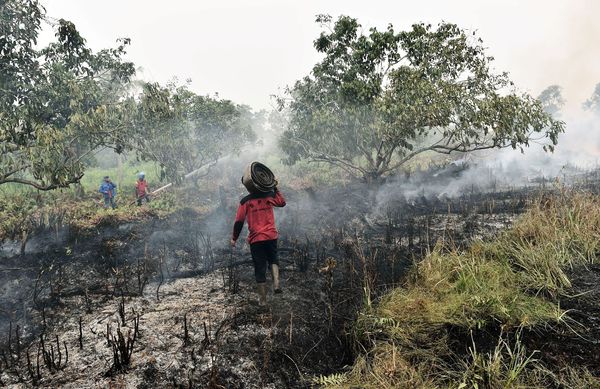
(247, 50)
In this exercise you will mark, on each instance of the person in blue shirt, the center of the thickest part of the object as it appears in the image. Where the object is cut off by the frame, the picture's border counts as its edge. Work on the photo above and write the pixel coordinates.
(109, 191)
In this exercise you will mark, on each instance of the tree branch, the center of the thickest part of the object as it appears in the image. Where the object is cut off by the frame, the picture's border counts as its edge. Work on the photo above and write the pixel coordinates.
(39, 186)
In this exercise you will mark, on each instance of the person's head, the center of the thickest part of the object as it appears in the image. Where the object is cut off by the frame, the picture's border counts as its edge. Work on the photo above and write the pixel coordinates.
(141, 176)
(106, 179)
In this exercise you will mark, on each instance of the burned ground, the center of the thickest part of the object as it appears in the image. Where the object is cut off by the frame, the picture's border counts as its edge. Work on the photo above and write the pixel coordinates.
(579, 343)
(198, 323)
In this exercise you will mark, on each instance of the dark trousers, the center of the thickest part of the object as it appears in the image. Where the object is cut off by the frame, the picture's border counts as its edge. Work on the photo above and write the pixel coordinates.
(109, 200)
(142, 198)
(263, 253)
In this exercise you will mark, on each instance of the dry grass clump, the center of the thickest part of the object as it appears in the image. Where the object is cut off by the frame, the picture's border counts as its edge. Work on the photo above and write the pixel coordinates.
(504, 285)
(556, 234)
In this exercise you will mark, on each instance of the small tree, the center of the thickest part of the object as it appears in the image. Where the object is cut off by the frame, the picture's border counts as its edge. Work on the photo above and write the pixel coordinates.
(378, 99)
(593, 103)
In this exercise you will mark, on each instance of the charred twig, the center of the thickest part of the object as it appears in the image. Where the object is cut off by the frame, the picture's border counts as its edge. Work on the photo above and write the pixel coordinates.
(54, 361)
(37, 363)
(291, 326)
(9, 346)
(122, 309)
(206, 341)
(209, 258)
(18, 343)
(44, 318)
(162, 274)
(35, 375)
(142, 276)
(80, 333)
(186, 335)
(233, 279)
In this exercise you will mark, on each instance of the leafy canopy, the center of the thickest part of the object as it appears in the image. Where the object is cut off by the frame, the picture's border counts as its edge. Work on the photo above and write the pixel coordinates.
(61, 104)
(49, 96)
(184, 131)
(379, 98)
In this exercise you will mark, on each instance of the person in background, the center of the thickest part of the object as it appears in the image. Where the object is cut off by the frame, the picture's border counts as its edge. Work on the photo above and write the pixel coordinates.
(257, 208)
(109, 192)
(141, 189)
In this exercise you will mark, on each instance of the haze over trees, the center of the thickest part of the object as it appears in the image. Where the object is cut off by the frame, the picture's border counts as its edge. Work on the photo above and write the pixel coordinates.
(376, 100)
(380, 98)
(552, 100)
(593, 103)
(61, 104)
(183, 131)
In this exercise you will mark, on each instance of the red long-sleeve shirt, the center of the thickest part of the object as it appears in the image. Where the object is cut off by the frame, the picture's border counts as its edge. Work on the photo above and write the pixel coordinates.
(257, 208)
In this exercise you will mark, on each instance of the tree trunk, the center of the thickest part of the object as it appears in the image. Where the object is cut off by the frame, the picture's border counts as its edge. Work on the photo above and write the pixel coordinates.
(24, 239)
(119, 171)
(79, 191)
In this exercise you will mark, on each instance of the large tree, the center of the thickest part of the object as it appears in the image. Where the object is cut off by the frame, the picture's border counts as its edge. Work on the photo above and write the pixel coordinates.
(379, 98)
(54, 101)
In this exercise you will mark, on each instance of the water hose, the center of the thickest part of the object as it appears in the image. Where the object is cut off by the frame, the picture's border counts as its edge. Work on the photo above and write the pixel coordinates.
(258, 178)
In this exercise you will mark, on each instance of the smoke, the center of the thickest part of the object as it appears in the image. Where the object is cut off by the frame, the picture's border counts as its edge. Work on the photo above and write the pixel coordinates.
(578, 151)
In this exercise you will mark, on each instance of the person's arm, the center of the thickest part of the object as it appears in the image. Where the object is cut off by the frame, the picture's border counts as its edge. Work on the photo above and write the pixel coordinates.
(240, 217)
(278, 200)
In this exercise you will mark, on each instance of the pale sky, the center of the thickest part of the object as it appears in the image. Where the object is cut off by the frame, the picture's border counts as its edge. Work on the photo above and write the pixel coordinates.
(247, 50)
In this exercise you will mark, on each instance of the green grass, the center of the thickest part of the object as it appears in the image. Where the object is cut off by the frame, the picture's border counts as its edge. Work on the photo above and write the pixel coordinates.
(24, 209)
(125, 178)
(505, 285)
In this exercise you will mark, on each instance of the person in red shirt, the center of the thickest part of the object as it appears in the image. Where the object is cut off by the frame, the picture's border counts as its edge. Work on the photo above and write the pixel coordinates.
(141, 189)
(257, 209)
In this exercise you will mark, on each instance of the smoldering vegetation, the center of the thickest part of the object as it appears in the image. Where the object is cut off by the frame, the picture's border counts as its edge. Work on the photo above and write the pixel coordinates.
(166, 302)
(426, 274)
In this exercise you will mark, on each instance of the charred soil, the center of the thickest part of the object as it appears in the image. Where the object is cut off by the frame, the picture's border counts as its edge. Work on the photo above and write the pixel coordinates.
(161, 302)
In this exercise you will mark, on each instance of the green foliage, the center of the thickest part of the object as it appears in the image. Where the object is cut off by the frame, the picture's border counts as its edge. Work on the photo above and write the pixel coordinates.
(378, 99)
(503, 367)
(61, 104)
(330, 380)
(51, 99)
(164, 204)
(14, 215)
(183, 131)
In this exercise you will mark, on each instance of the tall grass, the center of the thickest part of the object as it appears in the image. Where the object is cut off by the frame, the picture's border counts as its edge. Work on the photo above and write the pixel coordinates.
(502, 286)
(557, 233)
